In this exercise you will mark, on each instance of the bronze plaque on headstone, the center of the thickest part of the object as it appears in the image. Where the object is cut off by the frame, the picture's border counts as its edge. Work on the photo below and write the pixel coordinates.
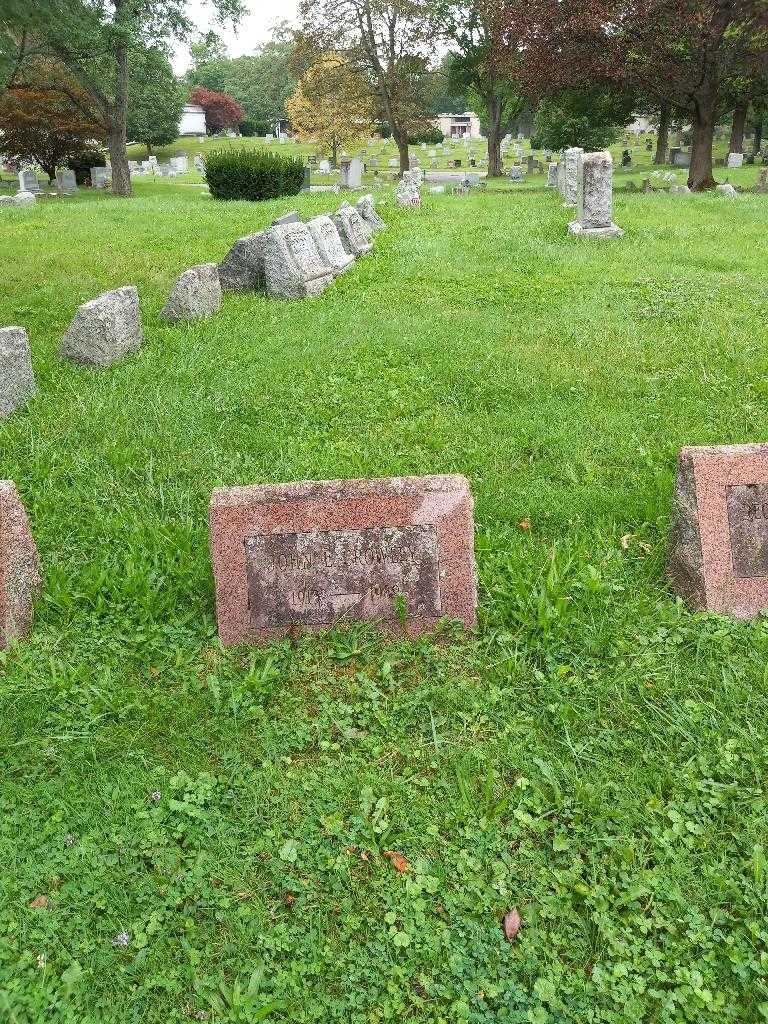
(748, 522)
(318, 577)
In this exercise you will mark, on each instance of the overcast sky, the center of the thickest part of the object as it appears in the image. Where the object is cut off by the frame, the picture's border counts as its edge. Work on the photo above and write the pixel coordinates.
(254, 28)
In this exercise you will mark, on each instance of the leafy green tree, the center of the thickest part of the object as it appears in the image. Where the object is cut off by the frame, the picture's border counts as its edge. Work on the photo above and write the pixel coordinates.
(155, 100)
(447, 98)
(591, 118)
(95, 41)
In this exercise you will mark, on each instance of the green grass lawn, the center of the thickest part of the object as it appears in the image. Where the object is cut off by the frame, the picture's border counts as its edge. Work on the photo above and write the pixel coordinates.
(595, 755)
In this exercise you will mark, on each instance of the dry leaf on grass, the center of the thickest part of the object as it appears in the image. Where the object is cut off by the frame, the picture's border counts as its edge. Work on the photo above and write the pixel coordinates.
(398, 861)
(39, 903)
(524, 524)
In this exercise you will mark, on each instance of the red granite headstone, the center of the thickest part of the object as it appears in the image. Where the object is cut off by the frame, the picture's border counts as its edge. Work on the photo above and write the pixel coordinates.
(718, 558)
(398, 552)
(20, 579)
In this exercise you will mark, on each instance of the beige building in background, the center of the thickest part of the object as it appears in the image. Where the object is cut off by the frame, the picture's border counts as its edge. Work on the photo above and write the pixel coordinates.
(459, 126)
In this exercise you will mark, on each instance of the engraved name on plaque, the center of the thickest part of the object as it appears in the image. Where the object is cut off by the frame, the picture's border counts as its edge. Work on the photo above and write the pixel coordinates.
(318, 577)
(748, 524)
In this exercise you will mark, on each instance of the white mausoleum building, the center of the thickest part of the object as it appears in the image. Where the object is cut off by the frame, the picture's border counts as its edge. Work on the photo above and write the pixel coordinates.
(459, 126)
(192, 120)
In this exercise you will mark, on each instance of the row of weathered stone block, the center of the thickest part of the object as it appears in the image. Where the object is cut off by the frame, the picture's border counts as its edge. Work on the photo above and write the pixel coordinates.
(400, 552)
(295, 260)
(290, 260)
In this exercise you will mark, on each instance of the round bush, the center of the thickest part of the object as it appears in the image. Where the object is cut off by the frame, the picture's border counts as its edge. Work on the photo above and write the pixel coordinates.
(250, 174)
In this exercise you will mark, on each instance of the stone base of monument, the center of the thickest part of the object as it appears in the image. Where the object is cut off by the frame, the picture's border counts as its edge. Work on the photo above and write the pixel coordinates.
(398, 553)
(718, 553)
(611, 231)
(20, 579)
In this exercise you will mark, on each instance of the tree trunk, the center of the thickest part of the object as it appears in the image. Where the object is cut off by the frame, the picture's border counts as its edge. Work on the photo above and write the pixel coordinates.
(700, 172)
(757, 142)
(334, 154)
(117, 138)
(662, 139)
(402, 149)
(149, 149)
(737, 128)
(494, 137)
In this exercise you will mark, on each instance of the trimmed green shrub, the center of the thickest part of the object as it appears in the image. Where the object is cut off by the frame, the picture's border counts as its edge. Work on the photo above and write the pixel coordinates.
(250, 174)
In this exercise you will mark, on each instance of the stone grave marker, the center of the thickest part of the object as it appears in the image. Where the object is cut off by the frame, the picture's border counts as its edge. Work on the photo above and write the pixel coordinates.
(595, 198)
(515, 173)
(17, 380)
(66, 183)
(293, 267)
(329, 245)
(366, 207)
(195, 295)
(735, 160)
(99, 177)
(104, 329)
(28, 182)
(306, 556)
(552, 175)
(306, 185)
(242, 269)
(355, 234)
(325, 167)
(292, 217)
(572, 173)
(718, 554)
(727, 189)
(393, 162)
(20, 576)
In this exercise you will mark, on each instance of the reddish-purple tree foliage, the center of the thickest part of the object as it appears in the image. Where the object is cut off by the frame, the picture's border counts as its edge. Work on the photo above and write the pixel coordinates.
(221, 110)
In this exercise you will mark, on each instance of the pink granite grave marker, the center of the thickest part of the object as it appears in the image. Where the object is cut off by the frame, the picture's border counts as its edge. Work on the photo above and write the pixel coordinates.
(287, 557)
(718, 559)
(19, 567)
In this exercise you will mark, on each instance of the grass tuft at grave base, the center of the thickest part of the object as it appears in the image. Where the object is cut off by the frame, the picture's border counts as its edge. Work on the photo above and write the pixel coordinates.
(332, 831)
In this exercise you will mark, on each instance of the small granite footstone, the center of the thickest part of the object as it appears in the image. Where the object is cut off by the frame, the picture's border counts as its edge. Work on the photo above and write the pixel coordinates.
(397, 552)
(718, 553)
(552, 175)
(329, 245)
(355, 234)
(20, 578)
(242, 269)
(293, 267)
(728, 190)
(24, 199)
(366, 208)
(104, 329)
(196, 294)
(17, 380)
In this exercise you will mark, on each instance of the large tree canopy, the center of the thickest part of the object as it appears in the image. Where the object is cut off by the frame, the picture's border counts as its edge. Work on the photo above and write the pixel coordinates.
(94, 41)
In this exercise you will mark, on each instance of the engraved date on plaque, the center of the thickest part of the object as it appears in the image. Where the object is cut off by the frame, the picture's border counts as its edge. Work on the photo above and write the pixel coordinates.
(748, 522)
(316, 578)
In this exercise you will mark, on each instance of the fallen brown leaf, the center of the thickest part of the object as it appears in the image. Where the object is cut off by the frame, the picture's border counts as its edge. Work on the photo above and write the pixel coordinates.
(524, 524)
(511, 924)
(625, 540)
(398, 861)
(39, 903)
(289, 899)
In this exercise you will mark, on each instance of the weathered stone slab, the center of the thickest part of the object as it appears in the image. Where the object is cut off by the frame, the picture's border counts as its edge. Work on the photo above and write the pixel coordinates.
(196, 294)
(28, 182)
(20, 578)
(398, 552)
(727, 189)
(292, 217)
(105, 329)
(293, 267)
(66, 182)
(572, 159)
(718, 556)
(354, 232)
(552, 170)
(595, 198)
(24, 199)
(735, 160)
(17, 380)
(329, 245)
(366, 207)
(242, 269)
